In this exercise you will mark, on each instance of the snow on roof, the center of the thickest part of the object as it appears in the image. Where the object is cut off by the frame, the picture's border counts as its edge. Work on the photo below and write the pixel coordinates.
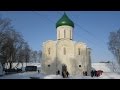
(49, 41)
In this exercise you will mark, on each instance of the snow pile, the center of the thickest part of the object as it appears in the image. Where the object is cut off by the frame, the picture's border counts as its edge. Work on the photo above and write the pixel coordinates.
(110, 76)
(20, 65)
(110, 72)
(25, 75)
(79, 77)
(106, 67)
(24, 65)
(53, 77)
(116, 67)
(35, 75)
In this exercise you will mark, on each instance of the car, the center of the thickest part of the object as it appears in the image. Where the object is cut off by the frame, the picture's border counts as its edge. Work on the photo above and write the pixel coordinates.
(31, 68)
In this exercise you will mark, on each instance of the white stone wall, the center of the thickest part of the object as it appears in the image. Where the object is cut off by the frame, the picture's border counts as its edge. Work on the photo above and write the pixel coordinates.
(64, 32)
(88, 61)
(71, 59)
(68, 58)
(49, 59)
(82, 59)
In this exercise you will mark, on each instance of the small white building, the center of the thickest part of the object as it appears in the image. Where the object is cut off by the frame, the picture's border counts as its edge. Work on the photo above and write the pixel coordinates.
(64, 51)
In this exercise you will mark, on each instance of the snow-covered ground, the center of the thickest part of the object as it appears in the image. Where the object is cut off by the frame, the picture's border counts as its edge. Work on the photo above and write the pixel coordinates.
(108, 68)
(28, 75)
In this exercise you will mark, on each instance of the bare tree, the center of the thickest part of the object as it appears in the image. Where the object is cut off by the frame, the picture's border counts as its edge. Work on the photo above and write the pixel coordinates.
(5, 25)
(13, 48)
(114, 44)
(26, 52)
(34, 56)
(39, 55)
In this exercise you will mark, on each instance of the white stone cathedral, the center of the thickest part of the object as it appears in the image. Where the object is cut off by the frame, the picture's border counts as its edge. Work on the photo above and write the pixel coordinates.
(64, 51)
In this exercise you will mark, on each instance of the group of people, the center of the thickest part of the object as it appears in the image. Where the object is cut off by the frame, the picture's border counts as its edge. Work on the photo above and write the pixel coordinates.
(96, 73)
(65, 74)
(64, 71)
(84, 73)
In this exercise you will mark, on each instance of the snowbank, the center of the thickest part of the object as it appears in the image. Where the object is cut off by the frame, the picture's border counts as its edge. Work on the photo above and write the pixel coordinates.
(110, 72)
(24, 65)
(53, 77)
(106, 67)
(35, 75)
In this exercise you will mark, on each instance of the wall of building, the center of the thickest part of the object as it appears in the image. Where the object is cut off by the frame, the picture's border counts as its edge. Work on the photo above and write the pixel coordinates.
(49, 57)
(66, 57)
(69, 57)
(64, 32)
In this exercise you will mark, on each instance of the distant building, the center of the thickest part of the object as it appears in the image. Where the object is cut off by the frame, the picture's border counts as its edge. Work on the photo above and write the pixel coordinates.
(64, 51)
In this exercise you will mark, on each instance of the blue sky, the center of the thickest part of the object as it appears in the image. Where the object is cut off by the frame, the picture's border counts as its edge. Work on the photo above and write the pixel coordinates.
(92, 27)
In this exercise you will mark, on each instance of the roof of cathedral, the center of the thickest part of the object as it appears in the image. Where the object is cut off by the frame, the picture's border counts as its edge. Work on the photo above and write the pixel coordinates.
(64, 20)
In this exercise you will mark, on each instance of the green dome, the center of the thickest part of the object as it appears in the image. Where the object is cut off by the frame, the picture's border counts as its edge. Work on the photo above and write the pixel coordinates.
(64, 21)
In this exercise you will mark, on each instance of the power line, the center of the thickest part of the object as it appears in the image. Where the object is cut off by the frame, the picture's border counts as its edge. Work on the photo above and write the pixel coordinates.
(54, 23)
(85, 38)
(43, 16)
(85, 30)
(82, 29)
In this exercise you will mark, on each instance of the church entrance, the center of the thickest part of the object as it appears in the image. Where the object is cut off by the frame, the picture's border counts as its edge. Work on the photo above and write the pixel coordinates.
(64, 71)
(64, 67)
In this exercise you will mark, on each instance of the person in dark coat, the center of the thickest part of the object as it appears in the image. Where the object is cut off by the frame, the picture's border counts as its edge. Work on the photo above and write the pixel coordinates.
(95, 73)
(92, 73)
(64, 74)
(67, 73)
(38, 71)
(58, 72)
(85, 73)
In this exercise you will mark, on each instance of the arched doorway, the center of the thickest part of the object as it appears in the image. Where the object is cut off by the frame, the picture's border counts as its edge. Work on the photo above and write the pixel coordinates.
(64, 71)
(64, 67)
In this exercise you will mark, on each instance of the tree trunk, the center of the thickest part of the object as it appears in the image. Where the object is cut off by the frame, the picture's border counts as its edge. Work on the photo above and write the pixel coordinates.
(10, 65)
(22, 65)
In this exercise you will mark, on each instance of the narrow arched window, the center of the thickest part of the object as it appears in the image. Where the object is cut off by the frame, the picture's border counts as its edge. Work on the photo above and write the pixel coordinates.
(78, 51)
(59, 35)
(64, 34)
(64, 51)
(49, 51)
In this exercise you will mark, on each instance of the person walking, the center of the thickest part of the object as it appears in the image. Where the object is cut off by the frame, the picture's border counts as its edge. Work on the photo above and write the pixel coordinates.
(92, 73)
(67, 73)
(58, 72)
(38, 71)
